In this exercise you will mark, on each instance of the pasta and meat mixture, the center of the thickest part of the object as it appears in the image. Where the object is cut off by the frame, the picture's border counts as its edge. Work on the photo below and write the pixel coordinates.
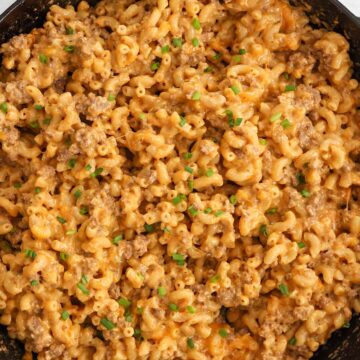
(179, 179)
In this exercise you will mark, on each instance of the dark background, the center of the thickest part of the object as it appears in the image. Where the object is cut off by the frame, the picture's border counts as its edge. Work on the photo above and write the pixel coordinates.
(24, 15)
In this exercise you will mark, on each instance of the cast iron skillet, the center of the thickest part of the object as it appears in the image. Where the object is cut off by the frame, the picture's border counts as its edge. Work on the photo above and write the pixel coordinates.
(25, 15)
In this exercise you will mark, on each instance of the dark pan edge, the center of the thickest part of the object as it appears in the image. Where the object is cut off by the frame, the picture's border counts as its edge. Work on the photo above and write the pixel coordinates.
(24, 15)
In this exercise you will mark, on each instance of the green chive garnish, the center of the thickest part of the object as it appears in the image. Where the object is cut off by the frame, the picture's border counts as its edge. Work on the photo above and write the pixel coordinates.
(61, 220)
(69, 48)
(195, 42)
(196, 96)
(177, 42)
(116, 240)
(223, 333)
(106, 323)
(43, 59)
(179, 259)
(290, 88)
(235, 89)
(65, 315)
(173, 307)
(284, 290)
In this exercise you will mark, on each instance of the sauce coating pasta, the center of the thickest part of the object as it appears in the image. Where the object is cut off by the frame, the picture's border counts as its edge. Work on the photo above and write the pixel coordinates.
(179, 179)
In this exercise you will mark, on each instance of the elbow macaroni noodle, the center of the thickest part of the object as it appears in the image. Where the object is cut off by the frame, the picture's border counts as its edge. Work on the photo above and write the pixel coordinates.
(179, 179)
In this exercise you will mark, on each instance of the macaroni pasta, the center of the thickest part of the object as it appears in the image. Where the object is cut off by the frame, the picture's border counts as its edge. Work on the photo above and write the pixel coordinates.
(179, 179)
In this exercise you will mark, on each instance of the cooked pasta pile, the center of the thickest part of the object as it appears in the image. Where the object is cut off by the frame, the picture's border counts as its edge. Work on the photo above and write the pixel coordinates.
(179, 179)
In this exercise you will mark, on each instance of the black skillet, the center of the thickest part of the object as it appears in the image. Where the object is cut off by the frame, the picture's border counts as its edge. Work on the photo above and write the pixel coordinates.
(25, 15)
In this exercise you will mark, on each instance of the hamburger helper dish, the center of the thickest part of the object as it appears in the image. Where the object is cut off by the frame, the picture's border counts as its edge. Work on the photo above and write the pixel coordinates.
(179, 179)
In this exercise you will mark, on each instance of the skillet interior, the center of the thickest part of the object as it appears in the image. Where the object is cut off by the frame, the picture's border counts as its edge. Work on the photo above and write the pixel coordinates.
(25, 15)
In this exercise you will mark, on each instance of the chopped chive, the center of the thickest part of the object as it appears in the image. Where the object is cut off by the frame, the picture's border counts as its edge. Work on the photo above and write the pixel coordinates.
(4, 107)
(166, 230)
(196, 24)
(69, 48)
(263, 230)
(208, 210)
(178, 199)
(275, 117)
(271, 211)
(83, 288)
(34, 282)
(187, 156)
(217, 56)
(290, 88)
(106, 323)
(47, 121)
(233, 199)
(84, 210)
(71, 163)
(305, 193)
(173, 307)
(179, 259)
(190, 343)
(77, 194)
(165, 49)
(219, 213)
(346, 325)
(286, 75)
(37, 190)
(235, 89)
(137, 334)
(155, 66)
(237, 58)
(67, 141)
(17, 185)
(111, 97)
(195, 42)
(149, 228)
(215, 279)
(286, 124)
(301, 245)
(38, 107)
(192, 210)
(189, 169)
(182, 121)
(238, 121)
(43, 59)
(223, 333)
(128, 316)
(292, 341)
(196, 95)
(116, 240)
(139, 310)
(125, 303)
(263, 142)
(84, 279)
(70, 232)
(65, 315)
(97, 172)
(64, 256)
(300, 178)
(190, 310)
(88, 167)
(208, 69)
(161, 291)
(69, 31)
(209, 172)
(242, 51)
(191, 185)
(34, 125)
(30, 253)
(61, 220)
(177, 42)
(142, 117)
(284, 290)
